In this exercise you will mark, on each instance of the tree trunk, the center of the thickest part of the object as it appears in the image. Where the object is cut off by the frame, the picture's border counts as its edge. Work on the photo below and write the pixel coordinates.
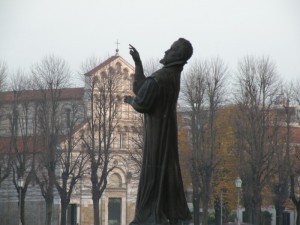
(248, 214)
(294, 199)
(196, 204)
(279, 214)
(218, 215)
(205, 209)
(257, 200)
(257, 215)
(96, 210)
(23, 191)
(298, 214)
(49, 204)
(63, 213)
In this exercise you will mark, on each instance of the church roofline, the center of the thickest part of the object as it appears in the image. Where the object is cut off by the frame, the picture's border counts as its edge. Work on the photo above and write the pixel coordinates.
(107, 62)
(31, 95)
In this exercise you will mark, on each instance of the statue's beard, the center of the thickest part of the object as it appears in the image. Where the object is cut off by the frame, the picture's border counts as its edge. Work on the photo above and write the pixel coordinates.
(163, 61)
(169, 59)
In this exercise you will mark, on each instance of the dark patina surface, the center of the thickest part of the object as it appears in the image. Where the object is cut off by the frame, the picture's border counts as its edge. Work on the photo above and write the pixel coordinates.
(160, 198)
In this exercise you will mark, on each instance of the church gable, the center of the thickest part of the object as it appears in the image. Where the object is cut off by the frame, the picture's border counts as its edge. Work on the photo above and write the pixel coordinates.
(116, 62)
(114, 65)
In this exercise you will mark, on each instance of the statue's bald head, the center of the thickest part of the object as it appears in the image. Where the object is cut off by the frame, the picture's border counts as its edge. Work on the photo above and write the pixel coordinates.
(180, 51)
(186, 50)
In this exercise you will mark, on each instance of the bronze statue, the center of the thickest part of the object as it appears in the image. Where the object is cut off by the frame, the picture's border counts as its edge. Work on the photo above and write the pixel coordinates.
(160, 198)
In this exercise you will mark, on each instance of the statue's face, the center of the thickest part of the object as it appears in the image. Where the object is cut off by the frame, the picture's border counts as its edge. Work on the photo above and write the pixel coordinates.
(172, 54)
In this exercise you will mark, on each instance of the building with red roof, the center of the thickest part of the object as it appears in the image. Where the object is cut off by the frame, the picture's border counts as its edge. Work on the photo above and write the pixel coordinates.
(23, 140)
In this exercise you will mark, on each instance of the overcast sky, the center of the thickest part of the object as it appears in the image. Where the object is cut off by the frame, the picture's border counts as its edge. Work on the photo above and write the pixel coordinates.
(77, 29)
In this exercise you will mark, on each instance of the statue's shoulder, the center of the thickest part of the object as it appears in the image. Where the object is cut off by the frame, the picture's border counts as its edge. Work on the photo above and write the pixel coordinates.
(161, 76)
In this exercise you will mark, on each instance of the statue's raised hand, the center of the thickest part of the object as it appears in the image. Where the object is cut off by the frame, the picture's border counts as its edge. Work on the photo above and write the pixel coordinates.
(134, 53)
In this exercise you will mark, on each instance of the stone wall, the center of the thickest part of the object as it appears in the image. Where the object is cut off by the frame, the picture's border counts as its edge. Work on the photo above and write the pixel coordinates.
(34, 213)
(87, 215)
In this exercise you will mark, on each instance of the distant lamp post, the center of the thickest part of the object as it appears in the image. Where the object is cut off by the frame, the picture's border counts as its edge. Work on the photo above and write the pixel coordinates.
(238, 185)
(20, 186)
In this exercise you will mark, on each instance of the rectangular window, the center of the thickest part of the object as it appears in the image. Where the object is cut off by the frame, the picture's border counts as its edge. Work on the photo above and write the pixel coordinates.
(72, 214)
(68, 117)
(114, 211)
(124, 140)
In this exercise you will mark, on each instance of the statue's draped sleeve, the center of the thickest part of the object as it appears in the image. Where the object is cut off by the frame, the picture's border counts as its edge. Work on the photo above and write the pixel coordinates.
(146, 95)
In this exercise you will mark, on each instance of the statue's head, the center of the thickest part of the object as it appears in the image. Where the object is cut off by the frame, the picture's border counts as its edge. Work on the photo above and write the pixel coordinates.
(181, 50)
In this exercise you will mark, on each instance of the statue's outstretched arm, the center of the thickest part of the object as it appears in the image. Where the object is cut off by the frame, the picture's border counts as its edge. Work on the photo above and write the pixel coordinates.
(139, 70)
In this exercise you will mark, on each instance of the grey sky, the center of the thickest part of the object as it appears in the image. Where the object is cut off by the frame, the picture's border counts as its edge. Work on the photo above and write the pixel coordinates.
(77, 29)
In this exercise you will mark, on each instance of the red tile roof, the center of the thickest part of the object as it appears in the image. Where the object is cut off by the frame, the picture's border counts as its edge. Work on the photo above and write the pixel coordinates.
(66, 94)
(28, 145)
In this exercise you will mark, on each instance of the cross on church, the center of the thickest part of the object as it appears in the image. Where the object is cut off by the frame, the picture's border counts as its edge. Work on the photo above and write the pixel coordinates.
(117, 50)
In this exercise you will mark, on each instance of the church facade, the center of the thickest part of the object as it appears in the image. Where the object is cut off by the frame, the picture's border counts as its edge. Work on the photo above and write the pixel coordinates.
(117, 203)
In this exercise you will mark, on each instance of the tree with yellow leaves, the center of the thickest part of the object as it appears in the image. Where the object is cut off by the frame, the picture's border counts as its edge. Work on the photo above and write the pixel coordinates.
(226, 168)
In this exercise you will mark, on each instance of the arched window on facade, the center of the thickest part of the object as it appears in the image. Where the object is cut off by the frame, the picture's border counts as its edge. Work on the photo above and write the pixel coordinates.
(126, 72)
(115, 181)
(103, 75)
(118, 67)
(111, 70)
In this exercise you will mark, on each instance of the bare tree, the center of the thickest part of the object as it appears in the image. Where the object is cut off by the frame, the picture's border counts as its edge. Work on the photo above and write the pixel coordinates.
(293, 197)
(194, 93)
(71, 159)
(294, 153)
(151, 65)
(296, 91)
(4, 158)
(203, 92)
(98, 135)
(283, 112)
(256, 129)
(136, 152)
(50, 76)
(4, 164)
(3, 75)
(22, 137)
(89, 64)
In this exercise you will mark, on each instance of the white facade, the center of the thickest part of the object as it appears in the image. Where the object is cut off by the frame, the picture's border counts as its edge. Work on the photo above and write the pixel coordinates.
(120, 193)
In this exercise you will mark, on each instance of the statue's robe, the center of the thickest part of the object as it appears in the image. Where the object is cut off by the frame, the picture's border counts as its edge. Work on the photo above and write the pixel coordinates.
(160, 193)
